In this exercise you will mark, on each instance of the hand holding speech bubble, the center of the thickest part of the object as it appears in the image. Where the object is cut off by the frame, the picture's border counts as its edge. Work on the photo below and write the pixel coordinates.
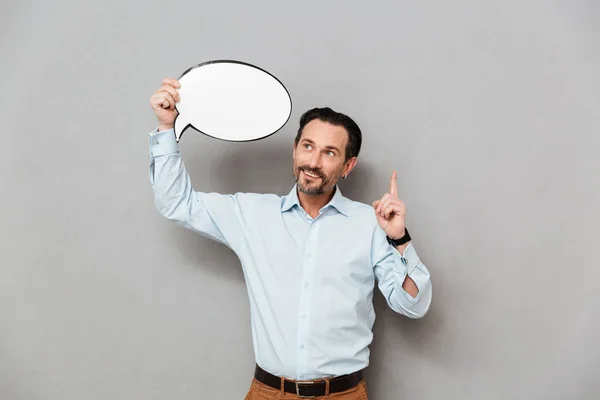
(231, 100)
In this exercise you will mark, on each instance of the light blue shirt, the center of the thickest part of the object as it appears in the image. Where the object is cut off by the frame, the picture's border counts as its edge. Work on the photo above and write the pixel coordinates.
(310, 281)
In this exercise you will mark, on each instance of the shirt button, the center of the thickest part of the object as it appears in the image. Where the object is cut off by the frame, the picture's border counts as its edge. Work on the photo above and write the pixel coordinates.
(301, 347)
(309, 255)
(303, 316)
(306, 286)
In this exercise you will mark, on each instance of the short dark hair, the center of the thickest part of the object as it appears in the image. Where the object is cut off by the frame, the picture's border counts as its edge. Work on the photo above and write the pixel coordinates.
(326, 114)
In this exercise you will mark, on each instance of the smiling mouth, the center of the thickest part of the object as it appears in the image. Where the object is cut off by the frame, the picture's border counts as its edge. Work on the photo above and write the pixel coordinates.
(311, 175)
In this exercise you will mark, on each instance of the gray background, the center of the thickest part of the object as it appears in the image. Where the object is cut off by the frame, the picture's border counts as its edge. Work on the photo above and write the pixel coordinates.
(488, 110)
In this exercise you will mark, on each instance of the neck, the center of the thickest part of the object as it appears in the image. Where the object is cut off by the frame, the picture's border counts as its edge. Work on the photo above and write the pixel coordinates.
(312, 204)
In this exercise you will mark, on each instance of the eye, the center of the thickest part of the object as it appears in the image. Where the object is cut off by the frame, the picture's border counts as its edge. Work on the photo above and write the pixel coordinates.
(307, 146)
(330, 153)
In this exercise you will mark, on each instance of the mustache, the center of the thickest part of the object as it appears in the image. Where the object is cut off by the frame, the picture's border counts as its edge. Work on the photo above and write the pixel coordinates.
(314, 171)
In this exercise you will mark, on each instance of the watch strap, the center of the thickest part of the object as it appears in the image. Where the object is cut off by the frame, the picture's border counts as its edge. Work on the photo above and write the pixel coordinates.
(399, 242)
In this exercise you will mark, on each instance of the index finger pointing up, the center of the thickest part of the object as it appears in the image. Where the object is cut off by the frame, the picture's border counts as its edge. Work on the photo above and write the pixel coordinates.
(393, 186)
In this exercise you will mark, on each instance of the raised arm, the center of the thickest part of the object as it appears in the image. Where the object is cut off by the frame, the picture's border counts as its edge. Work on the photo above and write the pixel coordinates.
(213, 215)
(403, 279)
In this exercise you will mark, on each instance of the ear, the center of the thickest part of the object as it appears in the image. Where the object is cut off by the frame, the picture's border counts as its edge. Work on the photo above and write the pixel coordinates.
(350, 164)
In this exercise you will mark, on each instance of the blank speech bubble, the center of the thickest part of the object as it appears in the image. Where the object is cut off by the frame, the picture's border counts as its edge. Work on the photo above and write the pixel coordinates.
(231, 100)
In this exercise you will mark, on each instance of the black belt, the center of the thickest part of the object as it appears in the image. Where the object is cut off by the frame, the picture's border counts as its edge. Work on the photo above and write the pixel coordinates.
(308, 389)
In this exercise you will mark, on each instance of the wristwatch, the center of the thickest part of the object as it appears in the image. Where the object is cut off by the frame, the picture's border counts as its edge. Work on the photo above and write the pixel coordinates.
(401, 241)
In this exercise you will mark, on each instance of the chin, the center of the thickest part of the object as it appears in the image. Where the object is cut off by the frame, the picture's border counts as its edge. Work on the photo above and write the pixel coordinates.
(311, 190)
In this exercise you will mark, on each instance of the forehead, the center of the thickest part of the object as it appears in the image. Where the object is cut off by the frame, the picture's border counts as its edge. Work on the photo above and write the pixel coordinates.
(325, 134)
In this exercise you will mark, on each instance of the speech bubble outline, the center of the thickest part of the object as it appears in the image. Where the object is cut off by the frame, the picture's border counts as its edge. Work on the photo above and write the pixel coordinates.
(184, 120)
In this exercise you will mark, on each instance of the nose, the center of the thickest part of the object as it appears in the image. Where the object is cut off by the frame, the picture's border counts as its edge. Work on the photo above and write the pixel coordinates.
(315, 160)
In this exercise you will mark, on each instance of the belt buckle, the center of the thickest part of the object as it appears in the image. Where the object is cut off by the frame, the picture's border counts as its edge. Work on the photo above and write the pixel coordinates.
(298, 389)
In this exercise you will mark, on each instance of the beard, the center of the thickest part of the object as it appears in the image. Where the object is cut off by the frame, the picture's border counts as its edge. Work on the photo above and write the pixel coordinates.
(312, 188)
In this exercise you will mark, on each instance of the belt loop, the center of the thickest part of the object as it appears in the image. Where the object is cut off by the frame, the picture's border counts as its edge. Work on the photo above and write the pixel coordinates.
(282, 386)
(326, 386)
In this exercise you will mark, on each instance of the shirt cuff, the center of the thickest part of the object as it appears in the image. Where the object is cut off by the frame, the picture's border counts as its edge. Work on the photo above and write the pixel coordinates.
(410, 259)
(162, 143)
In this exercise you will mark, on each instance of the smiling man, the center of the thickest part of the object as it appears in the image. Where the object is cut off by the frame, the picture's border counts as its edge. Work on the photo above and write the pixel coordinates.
(311, 258)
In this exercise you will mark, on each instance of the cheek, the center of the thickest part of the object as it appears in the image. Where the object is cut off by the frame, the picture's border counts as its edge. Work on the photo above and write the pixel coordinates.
(300, 159)
(334, 169)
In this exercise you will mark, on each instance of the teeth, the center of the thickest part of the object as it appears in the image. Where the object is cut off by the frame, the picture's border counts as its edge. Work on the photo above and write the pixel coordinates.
(311, 175)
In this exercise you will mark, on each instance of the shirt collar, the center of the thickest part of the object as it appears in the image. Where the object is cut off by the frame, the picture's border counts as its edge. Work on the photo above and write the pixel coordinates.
(338, 201)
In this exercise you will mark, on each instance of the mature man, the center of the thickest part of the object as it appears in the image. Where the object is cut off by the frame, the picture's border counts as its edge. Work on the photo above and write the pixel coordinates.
(310, 258)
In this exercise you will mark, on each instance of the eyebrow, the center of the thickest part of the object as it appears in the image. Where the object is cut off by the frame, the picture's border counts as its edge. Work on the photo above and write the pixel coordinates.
(326, 147)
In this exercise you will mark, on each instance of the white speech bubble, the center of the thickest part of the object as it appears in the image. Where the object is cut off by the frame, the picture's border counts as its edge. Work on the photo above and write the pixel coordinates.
(231, 100)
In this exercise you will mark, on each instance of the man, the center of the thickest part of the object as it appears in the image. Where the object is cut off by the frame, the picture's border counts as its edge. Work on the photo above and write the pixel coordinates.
(310, 258)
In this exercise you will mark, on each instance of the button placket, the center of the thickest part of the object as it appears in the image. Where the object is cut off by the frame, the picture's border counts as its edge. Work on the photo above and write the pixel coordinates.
(303, 317)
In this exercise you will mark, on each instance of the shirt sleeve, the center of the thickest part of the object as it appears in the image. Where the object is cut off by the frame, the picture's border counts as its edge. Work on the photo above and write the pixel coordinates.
(391, 268)
(213, 215)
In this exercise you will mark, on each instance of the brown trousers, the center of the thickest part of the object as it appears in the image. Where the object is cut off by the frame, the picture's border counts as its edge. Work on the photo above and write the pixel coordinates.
(260, 391)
